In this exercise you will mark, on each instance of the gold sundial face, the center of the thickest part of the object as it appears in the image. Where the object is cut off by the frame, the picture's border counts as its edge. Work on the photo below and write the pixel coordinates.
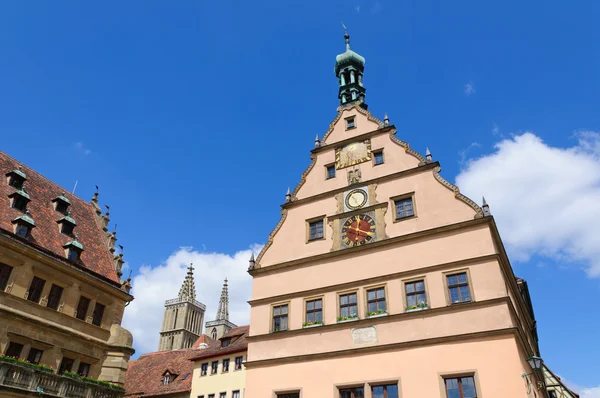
(353, 153)
(356, 199)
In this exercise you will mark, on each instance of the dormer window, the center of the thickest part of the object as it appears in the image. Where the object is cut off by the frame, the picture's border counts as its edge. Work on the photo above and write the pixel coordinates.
(22, 230)
(23, 225)
(61, 204)
(16, 178)
(67, 224)
(73, 250)
(19, 200)
(225, 342)
(168, 377)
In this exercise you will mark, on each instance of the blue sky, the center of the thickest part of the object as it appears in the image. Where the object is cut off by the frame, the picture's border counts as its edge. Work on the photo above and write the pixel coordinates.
(194, 118)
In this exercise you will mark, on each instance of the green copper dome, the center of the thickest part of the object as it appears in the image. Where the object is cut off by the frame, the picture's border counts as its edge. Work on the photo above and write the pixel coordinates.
(348, 57)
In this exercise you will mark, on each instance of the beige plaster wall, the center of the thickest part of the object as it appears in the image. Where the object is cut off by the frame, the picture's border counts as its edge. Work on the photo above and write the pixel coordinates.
(383, 260)
(494, 361)
(234, 380)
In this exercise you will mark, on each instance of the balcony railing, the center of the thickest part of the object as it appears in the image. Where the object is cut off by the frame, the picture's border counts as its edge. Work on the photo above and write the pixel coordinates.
(17, 378)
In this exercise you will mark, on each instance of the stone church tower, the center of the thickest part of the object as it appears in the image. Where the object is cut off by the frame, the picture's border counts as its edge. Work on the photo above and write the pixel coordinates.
(182, 323)
(221, 325)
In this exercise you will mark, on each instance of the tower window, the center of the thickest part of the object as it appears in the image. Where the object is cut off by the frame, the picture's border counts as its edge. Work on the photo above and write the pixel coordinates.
(330, 171)
(404, 208)
(315, 230)
(280, 318)
(214, 334)
(378, 157)
(350, 124)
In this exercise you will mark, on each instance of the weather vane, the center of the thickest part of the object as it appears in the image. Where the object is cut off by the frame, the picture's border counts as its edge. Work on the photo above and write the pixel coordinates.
(344, 26)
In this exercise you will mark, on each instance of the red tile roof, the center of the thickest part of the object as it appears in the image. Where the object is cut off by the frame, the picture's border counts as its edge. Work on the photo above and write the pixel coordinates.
(144, 375)
(46, 236)
(238, 344)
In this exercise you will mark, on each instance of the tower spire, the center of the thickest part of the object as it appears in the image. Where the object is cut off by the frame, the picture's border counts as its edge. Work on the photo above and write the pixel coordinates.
(223, 310)
(188, 289)
(349, 68)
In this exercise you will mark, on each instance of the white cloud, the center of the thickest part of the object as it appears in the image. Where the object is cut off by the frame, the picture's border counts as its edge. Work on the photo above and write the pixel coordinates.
(464, 152)
(80, 147)
(357, 8)
(584, 392)
(469, 88)
(153, 285)
(495, 129)
(377, 7)
(545, 199)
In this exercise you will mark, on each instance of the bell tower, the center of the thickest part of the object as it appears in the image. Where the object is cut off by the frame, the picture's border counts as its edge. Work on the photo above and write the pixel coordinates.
(349, 68)
(221, 325)
(184, 316)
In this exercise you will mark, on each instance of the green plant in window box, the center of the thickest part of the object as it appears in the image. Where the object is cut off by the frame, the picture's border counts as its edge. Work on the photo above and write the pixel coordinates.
(378, 312)
(76, 376)
(347, 318)
(22, 362)
(422, 305)
(305, 324)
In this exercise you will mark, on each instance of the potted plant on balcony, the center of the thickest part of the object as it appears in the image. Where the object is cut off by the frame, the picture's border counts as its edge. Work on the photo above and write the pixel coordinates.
(419, 307)
(22, 362)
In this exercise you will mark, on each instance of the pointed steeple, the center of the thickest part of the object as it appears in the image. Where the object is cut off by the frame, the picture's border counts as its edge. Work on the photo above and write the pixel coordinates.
(349, 68)
(188, 289)
(223, 310)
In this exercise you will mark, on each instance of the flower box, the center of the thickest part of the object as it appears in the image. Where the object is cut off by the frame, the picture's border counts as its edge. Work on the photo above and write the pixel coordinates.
(314, 325)
(416, 309)
(378, 315)
(347, 320)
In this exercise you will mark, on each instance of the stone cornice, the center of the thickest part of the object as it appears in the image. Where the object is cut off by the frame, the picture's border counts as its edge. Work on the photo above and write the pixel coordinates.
(377, 180)
(355, 351)
(361, 137)
(307, 261)
(60, 328)
(49, 259)
(364, 322)
(374, 280)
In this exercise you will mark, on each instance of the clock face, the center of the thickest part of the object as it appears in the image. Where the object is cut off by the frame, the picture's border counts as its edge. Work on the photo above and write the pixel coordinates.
(358, 230)
(356, 199)
(351, 154)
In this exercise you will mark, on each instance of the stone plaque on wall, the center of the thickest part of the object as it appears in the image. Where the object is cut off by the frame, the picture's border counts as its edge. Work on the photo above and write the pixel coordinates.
(364, 335)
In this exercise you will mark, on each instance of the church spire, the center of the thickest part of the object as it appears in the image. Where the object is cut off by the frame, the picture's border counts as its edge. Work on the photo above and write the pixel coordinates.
(223, 310)
(349, 68)
(188, 289)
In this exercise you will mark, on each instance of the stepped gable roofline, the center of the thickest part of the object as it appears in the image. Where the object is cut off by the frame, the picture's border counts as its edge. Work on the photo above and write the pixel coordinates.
(144, 375)
(96, 259)
(392, 132)
(216, 350)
